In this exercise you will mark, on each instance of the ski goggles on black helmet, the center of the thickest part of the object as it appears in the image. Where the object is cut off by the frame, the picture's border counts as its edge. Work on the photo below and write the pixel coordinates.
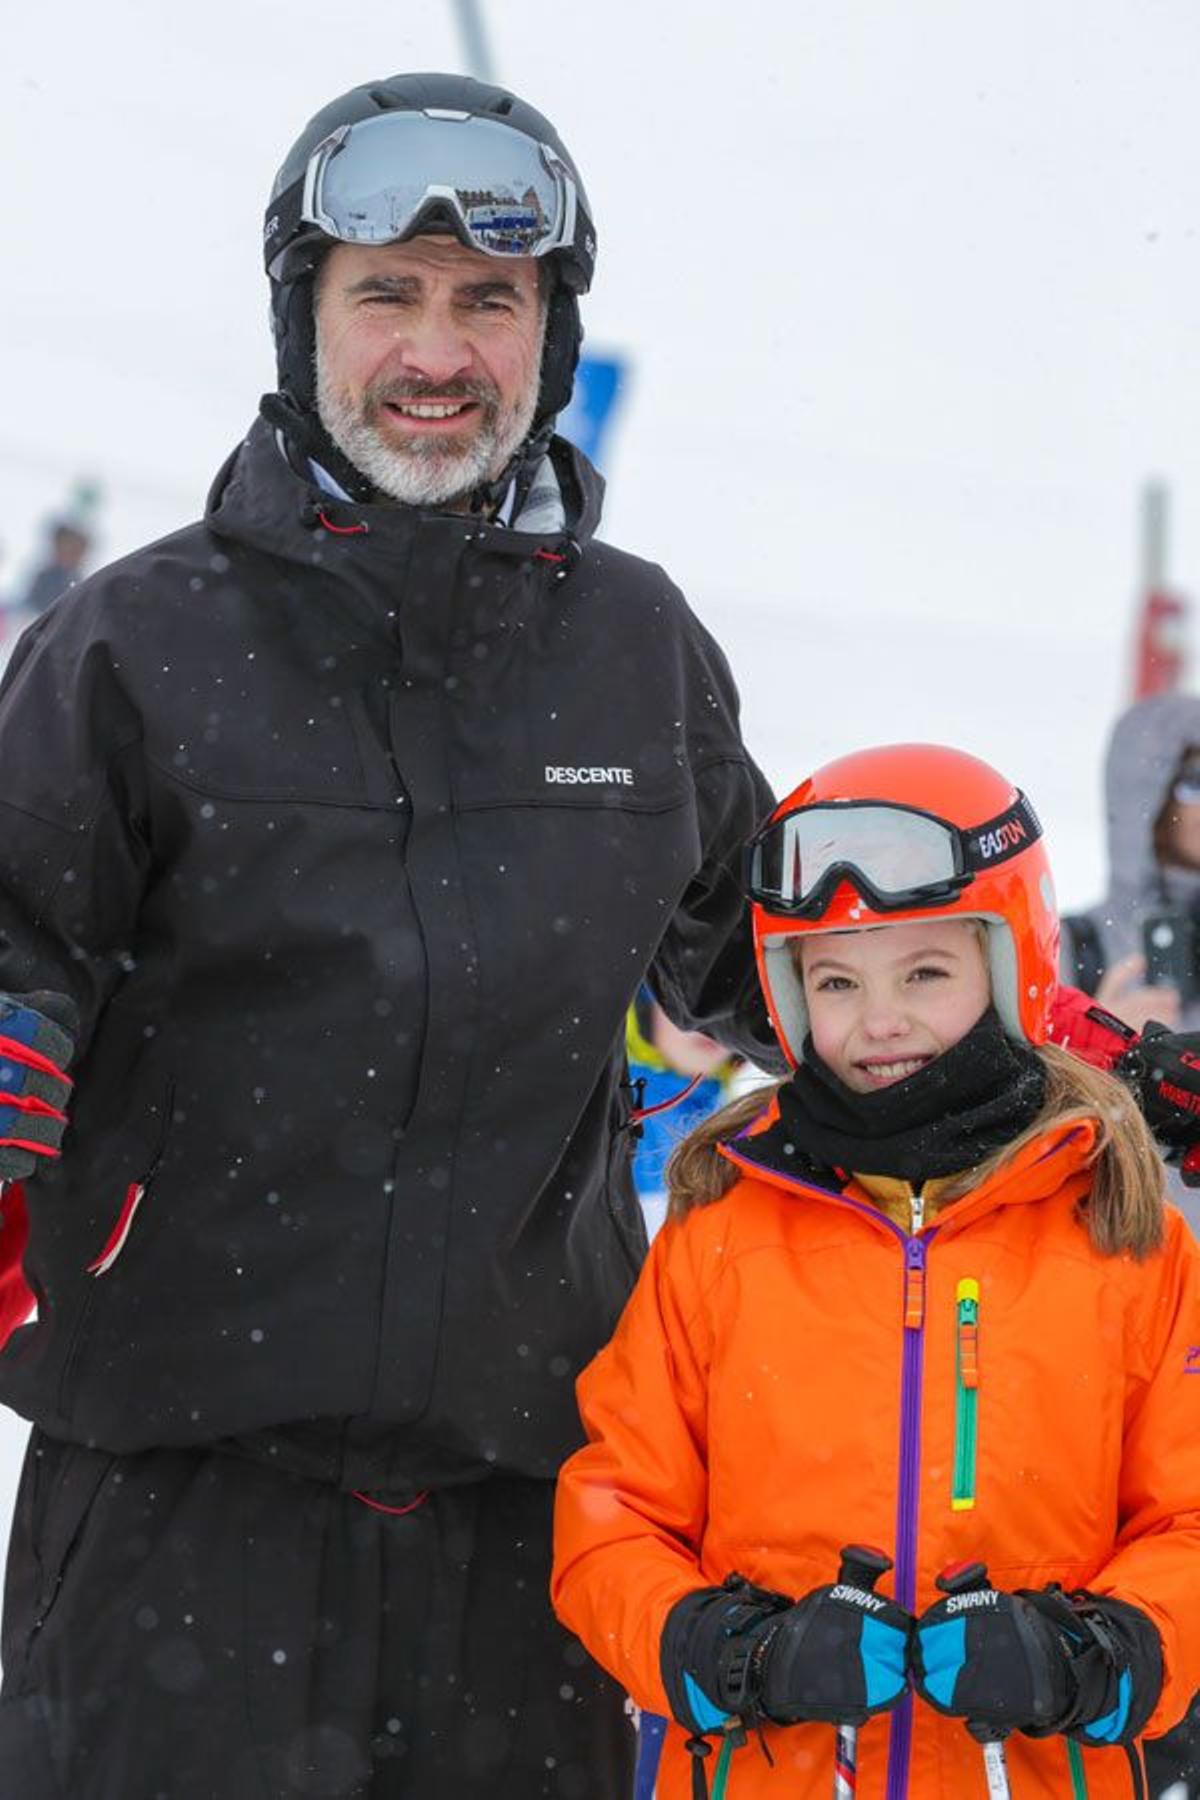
(897, 857)
(384, 178)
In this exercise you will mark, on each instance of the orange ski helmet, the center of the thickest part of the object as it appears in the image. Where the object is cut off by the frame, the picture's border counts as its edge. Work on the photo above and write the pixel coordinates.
(904, 832)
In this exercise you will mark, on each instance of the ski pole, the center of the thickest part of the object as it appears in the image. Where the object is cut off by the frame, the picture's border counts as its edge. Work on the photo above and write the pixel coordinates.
(861, 1567)
(968, 1578)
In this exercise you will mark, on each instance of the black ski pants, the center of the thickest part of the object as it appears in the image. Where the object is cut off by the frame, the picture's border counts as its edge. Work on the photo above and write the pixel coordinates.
(192, 1625)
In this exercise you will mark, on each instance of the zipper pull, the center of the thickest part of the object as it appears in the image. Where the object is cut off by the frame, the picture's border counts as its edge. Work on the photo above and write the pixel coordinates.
(966, 1394)
(968, 1332)
(914, 1284)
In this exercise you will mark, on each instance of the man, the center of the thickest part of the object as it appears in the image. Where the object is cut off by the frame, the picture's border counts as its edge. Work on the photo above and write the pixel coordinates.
(339, 831)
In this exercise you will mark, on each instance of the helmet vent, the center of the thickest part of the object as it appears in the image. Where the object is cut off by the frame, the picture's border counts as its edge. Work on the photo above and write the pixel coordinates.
(503, 105)
(383, 100)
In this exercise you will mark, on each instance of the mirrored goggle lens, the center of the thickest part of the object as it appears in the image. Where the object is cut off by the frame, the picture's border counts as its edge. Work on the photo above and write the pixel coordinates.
(897, 853)
(370, 185)
(1187, 789)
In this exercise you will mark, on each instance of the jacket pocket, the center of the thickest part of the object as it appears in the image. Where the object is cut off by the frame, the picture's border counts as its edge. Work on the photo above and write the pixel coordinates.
(135, 1193)
(966, 1394)
(108, 1252)
(59, 1489)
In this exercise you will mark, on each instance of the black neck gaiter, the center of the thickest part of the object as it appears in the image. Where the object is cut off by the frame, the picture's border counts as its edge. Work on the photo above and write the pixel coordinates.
(974, 1098)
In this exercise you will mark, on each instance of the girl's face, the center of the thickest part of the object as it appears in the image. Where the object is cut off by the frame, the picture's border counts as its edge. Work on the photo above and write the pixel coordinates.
(884, 1001)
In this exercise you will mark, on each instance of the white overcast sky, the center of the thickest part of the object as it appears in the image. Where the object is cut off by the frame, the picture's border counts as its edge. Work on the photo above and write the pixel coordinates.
(912, 294)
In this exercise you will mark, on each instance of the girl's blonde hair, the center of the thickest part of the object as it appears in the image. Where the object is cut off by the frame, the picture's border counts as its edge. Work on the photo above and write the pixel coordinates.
(1123, 1210)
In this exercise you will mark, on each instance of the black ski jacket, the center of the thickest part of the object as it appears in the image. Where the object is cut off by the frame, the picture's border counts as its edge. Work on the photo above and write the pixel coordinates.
(352, 830)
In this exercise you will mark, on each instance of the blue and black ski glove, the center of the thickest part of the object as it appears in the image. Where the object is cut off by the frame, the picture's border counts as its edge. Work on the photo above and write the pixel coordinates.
(1040, 1662)
(839, 1654)
(37, 1041)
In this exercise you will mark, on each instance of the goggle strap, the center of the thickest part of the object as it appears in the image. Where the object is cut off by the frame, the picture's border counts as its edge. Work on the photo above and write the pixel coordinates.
(283, 221)
(1003, 837)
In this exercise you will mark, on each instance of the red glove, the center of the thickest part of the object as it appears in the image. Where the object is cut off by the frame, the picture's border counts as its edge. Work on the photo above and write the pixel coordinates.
(1078, 1024)
(1161, 1070)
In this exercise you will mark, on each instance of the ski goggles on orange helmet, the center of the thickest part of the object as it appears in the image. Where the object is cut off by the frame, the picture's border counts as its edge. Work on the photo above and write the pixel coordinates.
(898, 858)
(383, 178)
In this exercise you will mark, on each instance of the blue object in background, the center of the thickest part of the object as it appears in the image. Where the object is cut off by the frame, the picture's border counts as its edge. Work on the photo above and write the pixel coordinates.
(652, 1729)
(598, 383)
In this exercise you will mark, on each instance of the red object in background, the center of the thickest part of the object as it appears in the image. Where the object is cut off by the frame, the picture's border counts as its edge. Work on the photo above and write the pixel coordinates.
(1161, 654)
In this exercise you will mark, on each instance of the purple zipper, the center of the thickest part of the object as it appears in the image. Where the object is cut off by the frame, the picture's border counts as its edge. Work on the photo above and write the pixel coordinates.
(912, 1371)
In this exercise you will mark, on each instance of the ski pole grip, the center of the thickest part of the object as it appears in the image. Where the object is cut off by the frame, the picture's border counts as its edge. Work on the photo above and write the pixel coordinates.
(963, 1578)
(862, 1565)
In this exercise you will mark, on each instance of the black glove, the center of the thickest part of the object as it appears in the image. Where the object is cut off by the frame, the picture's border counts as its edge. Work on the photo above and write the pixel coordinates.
(1040, 1662)
(37, 1041)
(838, 1654)
(1162, 1070)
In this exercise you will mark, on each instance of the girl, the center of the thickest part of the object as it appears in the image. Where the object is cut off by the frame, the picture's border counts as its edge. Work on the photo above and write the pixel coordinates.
(929, 1298)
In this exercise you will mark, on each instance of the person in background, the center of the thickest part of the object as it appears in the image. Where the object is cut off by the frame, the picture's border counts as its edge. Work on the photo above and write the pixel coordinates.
(925, 1294)
(1152, 805)
(63, 567)
(1152, 800)
(678, 1078)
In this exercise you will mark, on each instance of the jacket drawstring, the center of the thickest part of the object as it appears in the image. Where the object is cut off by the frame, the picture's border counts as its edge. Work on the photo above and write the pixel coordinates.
(315, 514)
(699, 1749)
(640, 1112)
(562, 560)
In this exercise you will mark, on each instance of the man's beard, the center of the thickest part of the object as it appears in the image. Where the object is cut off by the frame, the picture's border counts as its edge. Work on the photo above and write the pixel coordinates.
(425, 471)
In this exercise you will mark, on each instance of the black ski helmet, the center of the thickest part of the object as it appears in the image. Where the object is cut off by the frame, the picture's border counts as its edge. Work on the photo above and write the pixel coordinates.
(293, 249)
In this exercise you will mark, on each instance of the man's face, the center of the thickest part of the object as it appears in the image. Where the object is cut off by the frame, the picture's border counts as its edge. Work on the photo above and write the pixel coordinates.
(428, 360)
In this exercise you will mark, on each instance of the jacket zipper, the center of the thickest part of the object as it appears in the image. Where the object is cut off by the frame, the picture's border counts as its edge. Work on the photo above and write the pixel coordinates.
(966, 1395)
(907, 1502)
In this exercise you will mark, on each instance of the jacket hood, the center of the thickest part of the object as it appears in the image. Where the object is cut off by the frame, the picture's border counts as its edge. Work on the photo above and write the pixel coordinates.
(257, 498)
(1147, 744)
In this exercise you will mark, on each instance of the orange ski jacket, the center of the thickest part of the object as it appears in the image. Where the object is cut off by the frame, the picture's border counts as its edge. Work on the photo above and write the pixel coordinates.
(795, 1372)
